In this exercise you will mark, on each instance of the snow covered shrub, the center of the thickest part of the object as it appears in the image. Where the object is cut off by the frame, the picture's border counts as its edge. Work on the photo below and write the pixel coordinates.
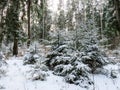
(92, 55)
(38, 72)
(30, 57)
(94, 58)
(79, 75)
(102, 71)
(39, 75)
(3, 68)
(3, 65)
(114, 73)
(65, 61)
(59, 56)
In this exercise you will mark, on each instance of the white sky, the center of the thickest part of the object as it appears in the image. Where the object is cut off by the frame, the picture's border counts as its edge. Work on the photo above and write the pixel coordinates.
(54, 4)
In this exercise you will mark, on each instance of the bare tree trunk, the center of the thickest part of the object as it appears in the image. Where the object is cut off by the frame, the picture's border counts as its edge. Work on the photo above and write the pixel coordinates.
(28, 13)
(15, 46)
(1, 26)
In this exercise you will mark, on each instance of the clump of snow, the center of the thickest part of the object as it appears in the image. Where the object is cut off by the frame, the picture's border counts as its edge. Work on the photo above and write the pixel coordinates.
(114, 73)
(112, 70)
(41, 66)
(38, 74)
(62, 70)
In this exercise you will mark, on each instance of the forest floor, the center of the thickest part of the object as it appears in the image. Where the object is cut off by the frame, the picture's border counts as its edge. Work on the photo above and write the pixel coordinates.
(16, 79)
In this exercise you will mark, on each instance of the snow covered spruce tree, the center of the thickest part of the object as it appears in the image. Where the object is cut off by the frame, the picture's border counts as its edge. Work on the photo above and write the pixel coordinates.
(84, 57)
(33, 57)
(92, 55)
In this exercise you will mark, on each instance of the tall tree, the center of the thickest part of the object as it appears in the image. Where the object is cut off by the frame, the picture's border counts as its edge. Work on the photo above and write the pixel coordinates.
(111, 22)
(41, 19)
(69, 15)
(117, 10)
(12, 23)
(61, 22)
(3, 4)
(28, 15)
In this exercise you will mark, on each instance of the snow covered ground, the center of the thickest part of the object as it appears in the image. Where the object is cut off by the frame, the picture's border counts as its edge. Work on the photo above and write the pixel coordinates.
(16, 79)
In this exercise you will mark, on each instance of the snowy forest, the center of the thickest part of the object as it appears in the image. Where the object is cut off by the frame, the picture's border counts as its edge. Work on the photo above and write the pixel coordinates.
(59, 44)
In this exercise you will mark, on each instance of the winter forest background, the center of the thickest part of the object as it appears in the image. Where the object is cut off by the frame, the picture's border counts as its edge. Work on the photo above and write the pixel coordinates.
(66, 44)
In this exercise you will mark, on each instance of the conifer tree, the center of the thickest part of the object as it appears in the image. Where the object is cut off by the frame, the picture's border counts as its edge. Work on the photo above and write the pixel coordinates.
(12, 24)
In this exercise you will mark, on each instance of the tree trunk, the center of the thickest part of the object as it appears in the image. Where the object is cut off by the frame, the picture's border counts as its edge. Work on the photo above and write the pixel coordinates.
(1, 26)
(28, 13)
(15, 47)
(101, 23)
(117, 9)
(42, 19)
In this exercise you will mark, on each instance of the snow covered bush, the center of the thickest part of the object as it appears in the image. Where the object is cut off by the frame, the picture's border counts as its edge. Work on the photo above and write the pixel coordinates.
(65, 61)
(114, 73)
(38, 72)
(30, 57)
(94, 58)
(3, 65)
(91, 53)
(61, 55)
(39, 75)
(79, 75)
(3, 68)
(111, 70)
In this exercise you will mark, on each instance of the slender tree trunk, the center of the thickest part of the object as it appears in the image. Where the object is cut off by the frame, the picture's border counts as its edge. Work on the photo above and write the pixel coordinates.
(43, 35)
(85, 18)
(15, 46)
(42, 19)
(101, 23)
(28, 13)
(76, 40)
(1, 26)
(117, 8)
